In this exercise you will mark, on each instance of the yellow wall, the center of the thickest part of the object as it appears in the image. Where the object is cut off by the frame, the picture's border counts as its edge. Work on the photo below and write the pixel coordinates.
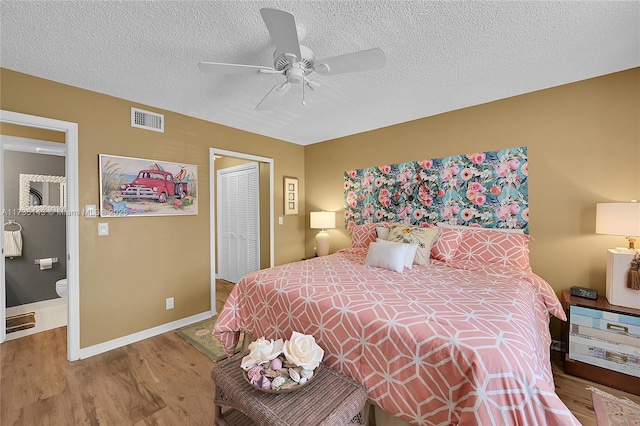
(126, 277)
(31, 133)
(583, 144)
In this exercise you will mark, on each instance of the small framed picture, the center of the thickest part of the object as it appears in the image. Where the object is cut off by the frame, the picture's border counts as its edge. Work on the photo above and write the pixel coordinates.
(290, 195)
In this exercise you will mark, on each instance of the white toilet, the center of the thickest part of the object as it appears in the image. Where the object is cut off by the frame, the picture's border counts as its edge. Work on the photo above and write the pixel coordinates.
(62, 288)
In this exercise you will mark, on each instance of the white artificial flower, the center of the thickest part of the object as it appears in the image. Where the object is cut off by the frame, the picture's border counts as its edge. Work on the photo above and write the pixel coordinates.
(303, 351)
(262, 351)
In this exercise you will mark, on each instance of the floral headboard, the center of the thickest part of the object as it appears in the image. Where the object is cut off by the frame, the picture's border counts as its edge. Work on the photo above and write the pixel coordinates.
(487, 189)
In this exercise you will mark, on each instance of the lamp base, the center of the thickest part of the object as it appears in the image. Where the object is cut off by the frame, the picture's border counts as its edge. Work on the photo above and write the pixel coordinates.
(618, 265)
(322, 243)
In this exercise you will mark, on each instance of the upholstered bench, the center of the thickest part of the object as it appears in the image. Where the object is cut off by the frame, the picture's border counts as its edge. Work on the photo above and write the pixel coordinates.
(330, 398)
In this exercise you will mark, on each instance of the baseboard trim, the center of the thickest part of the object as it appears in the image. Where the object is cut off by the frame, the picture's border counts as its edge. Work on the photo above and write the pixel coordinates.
(141, 335)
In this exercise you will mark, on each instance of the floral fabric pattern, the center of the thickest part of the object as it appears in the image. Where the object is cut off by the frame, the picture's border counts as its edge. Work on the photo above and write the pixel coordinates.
(423, 237)
(485, 189)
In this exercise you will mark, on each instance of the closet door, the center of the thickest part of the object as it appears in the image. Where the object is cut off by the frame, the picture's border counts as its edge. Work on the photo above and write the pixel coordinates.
(238, 220)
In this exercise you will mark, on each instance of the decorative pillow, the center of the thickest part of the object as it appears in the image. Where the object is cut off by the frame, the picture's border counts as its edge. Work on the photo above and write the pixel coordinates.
(423, 237)
(410, 251)
(447, 243)
(382, 232)
(489, 246)
(386, 256)
(363, 235)
(463, 227)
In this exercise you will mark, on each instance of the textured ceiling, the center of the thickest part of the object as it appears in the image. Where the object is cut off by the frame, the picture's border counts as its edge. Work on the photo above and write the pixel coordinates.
(441, 56)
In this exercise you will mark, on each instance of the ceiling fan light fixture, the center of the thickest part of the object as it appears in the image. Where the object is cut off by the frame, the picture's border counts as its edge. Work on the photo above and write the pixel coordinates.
(295, 75)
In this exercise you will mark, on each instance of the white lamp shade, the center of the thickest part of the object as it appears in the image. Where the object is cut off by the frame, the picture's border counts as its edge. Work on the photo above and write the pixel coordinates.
(323, 220)
(618, 219)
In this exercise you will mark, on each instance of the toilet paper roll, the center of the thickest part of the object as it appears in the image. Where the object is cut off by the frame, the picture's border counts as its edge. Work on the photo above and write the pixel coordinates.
(46, 263)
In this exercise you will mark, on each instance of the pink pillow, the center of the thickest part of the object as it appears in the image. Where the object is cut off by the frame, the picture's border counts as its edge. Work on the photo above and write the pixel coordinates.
(363, 235)
(487, 246)
(447, 244)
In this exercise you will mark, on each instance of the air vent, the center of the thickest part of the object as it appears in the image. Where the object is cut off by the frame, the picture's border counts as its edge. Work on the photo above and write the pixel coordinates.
(147, 120)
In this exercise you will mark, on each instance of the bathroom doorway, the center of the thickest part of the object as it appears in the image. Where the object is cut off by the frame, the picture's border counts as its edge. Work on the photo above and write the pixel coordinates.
(34, 231)
(10, 119)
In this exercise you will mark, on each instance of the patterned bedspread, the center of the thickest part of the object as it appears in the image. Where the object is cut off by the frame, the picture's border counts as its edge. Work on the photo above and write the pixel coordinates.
(443, 344)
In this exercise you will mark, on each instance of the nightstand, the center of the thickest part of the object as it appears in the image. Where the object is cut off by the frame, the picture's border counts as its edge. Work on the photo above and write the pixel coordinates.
(602, 342)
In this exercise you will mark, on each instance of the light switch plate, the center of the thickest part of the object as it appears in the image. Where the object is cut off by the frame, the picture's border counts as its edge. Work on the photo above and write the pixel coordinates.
(103, 229)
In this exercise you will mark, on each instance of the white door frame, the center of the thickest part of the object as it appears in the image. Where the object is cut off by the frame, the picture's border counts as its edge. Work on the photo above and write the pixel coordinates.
(212, 208)
(73, 220)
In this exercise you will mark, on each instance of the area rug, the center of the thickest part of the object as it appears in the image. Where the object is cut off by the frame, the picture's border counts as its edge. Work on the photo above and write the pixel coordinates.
(199, 335)
(614, 411)
(21, 322)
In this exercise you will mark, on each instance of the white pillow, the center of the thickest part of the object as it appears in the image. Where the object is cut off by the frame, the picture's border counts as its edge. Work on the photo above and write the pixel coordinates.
(382, 232)
(386, 256)
(410, 251)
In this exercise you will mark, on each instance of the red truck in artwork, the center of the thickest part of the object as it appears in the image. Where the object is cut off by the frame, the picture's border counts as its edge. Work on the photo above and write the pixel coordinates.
(157, 185)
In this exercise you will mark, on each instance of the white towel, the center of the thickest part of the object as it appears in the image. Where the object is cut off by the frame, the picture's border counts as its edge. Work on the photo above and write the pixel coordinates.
(12, 243)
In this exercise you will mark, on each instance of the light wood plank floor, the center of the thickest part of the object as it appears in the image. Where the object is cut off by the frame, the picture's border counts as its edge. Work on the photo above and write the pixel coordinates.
(159, 381)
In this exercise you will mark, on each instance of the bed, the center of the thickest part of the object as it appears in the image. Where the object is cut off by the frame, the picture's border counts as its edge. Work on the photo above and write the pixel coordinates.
(458, 340)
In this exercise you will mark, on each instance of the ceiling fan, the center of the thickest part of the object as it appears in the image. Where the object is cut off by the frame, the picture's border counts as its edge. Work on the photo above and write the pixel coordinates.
(295, 61)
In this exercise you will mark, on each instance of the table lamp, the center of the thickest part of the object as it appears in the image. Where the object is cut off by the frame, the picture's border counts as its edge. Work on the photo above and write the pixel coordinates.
(322, 220)
(619, 219)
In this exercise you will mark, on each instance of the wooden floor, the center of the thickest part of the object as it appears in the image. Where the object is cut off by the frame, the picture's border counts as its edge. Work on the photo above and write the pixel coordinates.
(158, 381)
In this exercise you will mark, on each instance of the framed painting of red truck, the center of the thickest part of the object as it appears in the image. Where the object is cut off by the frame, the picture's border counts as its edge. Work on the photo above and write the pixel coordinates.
(141, 187)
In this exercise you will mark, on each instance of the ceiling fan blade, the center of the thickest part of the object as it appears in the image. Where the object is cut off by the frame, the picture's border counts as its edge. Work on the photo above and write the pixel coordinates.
(321, 85)
(350, 62)
(283, 32)
(274, 96)
(219, 68)
(325, 92)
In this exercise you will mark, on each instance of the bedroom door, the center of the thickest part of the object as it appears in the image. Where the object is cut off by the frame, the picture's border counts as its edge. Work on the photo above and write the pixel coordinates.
(238, 221)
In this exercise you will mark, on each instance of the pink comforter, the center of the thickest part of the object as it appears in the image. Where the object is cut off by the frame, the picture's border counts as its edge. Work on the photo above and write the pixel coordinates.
(444, 344)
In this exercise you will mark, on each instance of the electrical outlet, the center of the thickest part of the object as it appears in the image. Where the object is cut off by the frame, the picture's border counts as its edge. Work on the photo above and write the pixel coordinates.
(103, 229)
(169, 303)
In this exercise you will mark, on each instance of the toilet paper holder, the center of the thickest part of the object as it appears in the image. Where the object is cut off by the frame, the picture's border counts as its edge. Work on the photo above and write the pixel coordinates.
(53, 260)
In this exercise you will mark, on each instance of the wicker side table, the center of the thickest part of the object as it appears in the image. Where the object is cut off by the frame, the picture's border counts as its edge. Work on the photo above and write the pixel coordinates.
(329, 399)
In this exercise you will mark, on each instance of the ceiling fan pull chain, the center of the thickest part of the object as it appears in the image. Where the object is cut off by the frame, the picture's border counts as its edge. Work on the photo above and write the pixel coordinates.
(304, 83)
